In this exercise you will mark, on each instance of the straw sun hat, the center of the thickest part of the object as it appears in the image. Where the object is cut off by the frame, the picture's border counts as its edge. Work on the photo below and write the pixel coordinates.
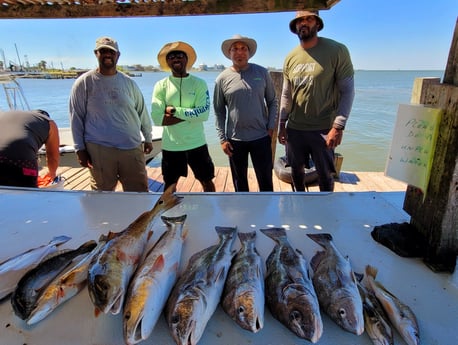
(174, 47)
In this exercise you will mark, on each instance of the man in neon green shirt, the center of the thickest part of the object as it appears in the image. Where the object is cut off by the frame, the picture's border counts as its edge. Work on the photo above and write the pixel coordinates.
(181, 103)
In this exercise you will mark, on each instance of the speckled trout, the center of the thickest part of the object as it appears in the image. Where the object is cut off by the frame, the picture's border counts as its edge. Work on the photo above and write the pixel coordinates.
(33, 283)
(13, 269)
(65, 286)
(111, 270)
(243, 295)
(290, 295)
(152, 282)
(198, 290)
(335, 285)
(400, 314)
(376, 322)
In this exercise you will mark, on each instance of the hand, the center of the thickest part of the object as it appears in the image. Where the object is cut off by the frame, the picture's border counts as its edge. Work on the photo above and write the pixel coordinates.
(227, 148)
(84, 159)
(334, 138)
(170, 110)
(147, 147)
(282, 135)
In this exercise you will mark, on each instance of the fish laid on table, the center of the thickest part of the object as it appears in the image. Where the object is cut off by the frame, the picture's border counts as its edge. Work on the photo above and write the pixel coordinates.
(336, 286)
(376, 323)
(65, 286)
(400, 315)
(110, 271)
(13, 269)
(197, 293)
(290, 295)
(243, 294)
(152, 282)
(33, 283)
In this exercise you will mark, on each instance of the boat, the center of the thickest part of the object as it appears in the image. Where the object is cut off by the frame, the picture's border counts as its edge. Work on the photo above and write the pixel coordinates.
(14, 99)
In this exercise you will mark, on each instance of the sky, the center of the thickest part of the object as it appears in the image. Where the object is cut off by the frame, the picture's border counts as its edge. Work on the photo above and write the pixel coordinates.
(380, 35)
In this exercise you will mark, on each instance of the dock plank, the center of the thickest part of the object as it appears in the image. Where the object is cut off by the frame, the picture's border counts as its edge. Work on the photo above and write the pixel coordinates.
(79, 179)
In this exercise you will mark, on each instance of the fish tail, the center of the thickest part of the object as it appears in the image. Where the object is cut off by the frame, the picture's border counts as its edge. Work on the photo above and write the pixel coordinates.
(224, 231)
(322, 239)
(247, 236)
(59, 240)
(276, 234)
(86, 247)
(173, 220)
(371, 271)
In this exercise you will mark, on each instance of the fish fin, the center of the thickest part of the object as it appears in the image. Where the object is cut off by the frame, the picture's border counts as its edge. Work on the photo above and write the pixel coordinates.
(170, 220)
(57, 240)
(276, 234)
(112, 235)
(225, 231)
(159, 264)
(246, 236)
(322, 239)
(371, 271)
(358, 276)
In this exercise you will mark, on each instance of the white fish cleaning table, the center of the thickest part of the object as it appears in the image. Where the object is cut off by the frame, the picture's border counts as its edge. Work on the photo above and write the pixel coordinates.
(29, 218)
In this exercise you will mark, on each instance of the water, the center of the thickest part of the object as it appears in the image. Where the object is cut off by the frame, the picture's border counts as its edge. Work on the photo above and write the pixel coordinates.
(367, 136)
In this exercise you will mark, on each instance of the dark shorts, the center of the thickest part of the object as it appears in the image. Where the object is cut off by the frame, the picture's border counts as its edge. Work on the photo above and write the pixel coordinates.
(11, 175)
(175, 164)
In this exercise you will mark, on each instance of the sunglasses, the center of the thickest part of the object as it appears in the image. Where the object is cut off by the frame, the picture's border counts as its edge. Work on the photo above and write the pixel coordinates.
(177, 55)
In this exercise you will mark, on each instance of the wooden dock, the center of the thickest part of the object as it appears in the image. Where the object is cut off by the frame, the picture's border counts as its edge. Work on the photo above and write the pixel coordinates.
(79, 179)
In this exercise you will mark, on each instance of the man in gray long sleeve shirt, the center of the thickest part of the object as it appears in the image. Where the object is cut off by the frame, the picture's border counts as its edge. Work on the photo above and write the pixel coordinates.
(317, 96)
(245, 107)
(108, 117)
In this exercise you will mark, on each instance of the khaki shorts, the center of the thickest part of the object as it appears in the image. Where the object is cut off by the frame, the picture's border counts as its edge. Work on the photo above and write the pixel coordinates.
(112, 165)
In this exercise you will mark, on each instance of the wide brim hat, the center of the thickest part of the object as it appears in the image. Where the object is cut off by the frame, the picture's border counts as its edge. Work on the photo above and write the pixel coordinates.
(251, 43)
(176, 46)
(302, 14)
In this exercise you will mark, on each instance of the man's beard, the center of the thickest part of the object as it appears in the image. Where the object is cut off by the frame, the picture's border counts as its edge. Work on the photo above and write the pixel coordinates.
(308, 33)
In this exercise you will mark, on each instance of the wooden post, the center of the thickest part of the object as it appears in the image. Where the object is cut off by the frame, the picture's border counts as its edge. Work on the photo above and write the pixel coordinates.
(277, 78)
(435, 214)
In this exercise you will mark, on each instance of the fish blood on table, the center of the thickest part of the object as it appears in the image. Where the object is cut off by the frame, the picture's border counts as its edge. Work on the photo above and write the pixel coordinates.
(198, 290)
(335, 285)
(243, 295)
(111, 270)
(151, 285)
(290, 295)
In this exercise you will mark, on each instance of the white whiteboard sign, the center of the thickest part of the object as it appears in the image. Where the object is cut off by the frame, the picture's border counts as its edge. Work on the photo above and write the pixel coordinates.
(412, 147)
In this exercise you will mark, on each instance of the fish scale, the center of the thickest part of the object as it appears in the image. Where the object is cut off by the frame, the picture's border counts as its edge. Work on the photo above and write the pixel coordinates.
(152, 282)
(198, 290)
(336, 287)
(243, 295)
(290, 295)
(111, 270)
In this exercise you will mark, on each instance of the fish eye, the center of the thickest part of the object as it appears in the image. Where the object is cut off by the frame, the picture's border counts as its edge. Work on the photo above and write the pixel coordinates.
(175, 319)
(294, 315)
(127, 315)
(241, 309)
(342, 312)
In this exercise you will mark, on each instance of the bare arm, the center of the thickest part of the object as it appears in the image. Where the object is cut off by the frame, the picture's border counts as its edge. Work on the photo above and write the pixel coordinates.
(52, 149)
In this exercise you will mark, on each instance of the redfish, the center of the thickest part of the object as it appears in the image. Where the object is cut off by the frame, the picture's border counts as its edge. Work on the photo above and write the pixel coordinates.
(110, 271)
